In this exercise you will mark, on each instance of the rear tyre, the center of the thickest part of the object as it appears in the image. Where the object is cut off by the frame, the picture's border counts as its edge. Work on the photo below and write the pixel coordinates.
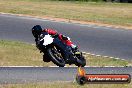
(55, 58)
(81, 62)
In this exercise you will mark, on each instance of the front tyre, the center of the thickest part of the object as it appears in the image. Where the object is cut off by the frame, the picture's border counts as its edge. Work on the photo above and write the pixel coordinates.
(56, 57)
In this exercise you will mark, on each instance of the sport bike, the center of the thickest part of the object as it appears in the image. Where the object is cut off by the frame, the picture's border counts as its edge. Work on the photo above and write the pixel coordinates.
(58, 52)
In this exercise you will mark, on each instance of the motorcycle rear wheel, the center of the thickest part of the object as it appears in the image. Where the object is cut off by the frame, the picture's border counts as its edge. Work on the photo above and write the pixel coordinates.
(81, 62)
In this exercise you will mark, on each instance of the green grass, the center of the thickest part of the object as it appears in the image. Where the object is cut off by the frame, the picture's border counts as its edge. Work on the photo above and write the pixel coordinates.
(22, 54)
(17, 54)
(106, 13)
(103, 61)
(65, 85)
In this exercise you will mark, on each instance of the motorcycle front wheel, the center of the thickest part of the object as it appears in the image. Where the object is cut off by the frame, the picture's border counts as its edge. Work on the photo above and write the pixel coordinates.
(56, 57)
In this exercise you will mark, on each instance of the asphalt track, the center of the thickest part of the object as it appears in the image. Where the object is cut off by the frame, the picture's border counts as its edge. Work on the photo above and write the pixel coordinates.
(91, 38)
(9, 75)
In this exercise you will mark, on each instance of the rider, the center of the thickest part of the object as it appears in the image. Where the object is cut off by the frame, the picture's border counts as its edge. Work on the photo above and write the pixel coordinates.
(37, 33)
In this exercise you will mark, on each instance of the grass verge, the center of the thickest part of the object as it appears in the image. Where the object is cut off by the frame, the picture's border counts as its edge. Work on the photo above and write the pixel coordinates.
(22, 54)
(104, 13)
(65, 85)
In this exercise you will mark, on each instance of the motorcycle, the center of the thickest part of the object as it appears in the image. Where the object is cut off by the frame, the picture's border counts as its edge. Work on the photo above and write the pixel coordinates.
(59, 53)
